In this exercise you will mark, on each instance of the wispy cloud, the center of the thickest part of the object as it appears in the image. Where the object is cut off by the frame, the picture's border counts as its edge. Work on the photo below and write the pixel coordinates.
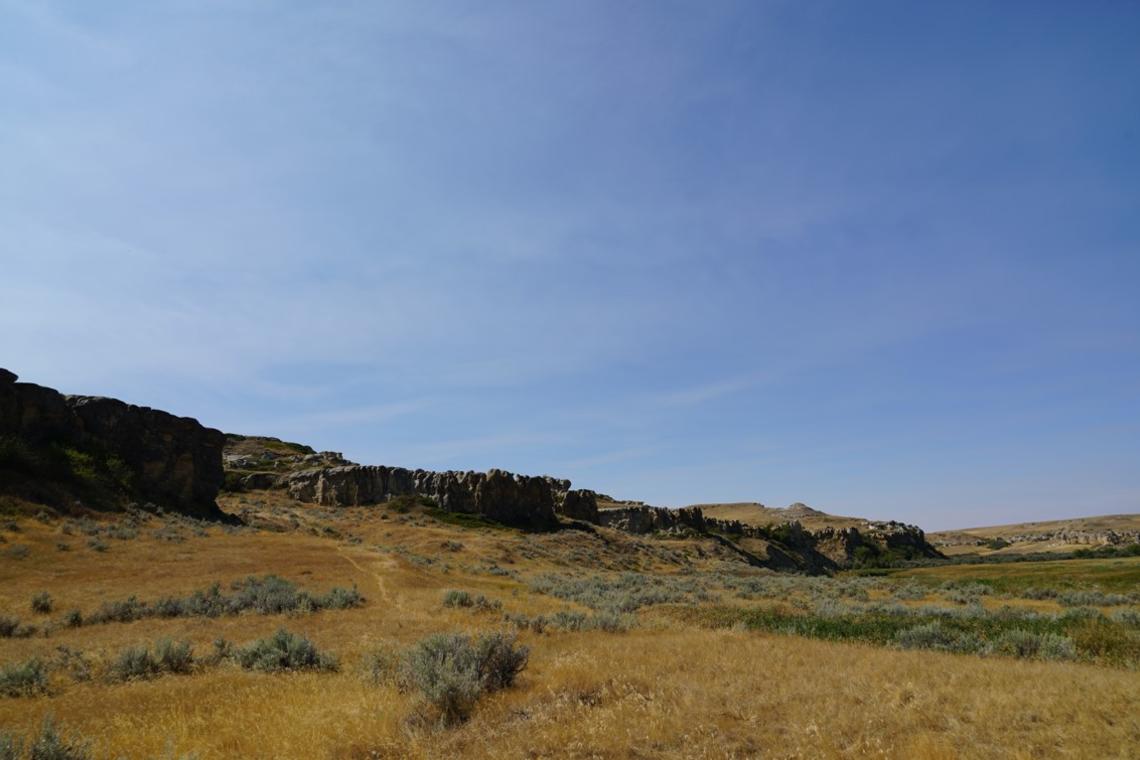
(478, 448)
(702, 393)
(339, 418)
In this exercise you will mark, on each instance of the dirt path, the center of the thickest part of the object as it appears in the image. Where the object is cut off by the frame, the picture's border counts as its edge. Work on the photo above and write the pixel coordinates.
(381, 585)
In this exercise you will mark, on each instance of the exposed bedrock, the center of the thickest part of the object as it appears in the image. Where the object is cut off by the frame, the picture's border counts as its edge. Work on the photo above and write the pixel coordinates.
(504, 497)
(101, 445)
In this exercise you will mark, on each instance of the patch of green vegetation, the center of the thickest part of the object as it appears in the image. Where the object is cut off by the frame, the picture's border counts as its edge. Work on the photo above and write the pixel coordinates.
(23, 679)
(1089, 635)
(405, 503)
(453, 670)
(1112, 574)
(265, 595)
(462, 519)
(168, 656)
(284, 651)
(276, 445)
(100, 478)
(47, 744)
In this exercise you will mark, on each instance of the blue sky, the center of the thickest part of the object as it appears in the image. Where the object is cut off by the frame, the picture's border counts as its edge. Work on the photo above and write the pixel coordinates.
(882, 258)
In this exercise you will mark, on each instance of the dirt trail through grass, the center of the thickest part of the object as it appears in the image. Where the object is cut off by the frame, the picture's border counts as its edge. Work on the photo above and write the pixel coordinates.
(390, 598)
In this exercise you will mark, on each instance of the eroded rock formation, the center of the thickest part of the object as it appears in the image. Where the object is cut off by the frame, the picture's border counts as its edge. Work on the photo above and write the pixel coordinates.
(501, 496)
(107, 450)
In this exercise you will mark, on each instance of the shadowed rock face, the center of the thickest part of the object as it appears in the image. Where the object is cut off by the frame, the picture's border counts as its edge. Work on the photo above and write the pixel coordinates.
(652, 519)
(580, 504)
(172, 461)
(177, 461)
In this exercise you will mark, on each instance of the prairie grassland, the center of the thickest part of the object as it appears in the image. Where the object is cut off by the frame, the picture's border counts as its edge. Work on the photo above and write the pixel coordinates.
(666, 688)
(1122, 573)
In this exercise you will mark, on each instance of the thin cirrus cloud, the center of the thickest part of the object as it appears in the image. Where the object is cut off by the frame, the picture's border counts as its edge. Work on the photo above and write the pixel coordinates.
(880, 258)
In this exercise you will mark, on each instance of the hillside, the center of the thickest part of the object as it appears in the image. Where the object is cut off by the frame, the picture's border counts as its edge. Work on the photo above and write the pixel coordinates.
(754, 513)
(1050, 536)
(635, 645)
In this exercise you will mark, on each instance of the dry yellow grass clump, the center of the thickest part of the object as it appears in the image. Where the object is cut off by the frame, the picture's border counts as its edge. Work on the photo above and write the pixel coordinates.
(664, 689)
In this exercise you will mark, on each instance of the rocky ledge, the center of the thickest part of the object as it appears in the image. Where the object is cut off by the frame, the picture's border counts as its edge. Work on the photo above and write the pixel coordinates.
(104, 452)
(518, 500)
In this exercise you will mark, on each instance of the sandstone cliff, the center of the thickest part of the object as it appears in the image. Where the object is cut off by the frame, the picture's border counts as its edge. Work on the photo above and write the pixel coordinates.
(104, 452)
(504, 497)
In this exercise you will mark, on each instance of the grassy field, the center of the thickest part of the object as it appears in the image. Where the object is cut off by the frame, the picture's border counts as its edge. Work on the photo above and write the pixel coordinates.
(637, 647)
(1121, 574)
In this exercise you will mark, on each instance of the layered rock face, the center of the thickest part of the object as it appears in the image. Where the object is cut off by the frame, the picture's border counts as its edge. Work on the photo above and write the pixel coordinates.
(653, 519)
(504, 497)
(145, 454)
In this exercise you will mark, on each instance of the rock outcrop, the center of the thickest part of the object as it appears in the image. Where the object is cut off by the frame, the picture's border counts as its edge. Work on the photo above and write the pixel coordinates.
(815, 551)
(580, 504)
(108, 450)
(653, 519)
(504, 497)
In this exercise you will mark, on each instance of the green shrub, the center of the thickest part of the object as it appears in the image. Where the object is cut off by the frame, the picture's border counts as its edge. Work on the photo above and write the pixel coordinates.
(284, 651)
(17, 551)
(500, 661)
(136, 663)
(267, 595)
(456, 598)
(444, 668)
(1126, 617)
(42, 603)
(133, 663)
(9, 626)
(1046, 646)
(341, 599)
(1102, 640)
(174, 656)
(222, 650)
(11, 746)
(1091, 599)
(934, 636)
(118, 612)
(382, 666)
(23, 679)
(611, 622)
(50, 745)
(452, 670)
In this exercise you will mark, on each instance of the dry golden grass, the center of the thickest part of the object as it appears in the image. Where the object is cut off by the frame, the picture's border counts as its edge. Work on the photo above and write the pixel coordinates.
(664, 690)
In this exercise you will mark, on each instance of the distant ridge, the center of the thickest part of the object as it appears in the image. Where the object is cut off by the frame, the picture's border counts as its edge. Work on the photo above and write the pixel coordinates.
(1041, 536)
(755, 513)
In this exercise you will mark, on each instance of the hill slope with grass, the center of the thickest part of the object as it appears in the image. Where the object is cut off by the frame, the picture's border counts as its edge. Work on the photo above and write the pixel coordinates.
(1050, 536)
(754, 513)
(393, 630)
